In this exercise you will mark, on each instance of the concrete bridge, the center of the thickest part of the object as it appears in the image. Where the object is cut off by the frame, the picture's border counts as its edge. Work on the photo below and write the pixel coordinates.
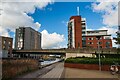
(89, 52)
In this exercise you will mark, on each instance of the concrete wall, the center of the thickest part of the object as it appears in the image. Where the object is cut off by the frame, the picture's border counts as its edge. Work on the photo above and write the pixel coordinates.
(31, 38)
(96, 32)
(27, 39)
(0, 47)
(4, 53)
(68, 55)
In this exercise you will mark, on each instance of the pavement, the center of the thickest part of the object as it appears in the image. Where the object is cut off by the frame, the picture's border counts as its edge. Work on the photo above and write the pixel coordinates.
(57, 71)
(83, 73)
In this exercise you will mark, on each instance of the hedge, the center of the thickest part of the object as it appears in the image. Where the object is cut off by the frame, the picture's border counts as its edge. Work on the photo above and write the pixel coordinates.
(104, 61)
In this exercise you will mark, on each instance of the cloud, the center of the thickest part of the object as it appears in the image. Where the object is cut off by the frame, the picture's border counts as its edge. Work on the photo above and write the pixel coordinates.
(50, 9)
(89, 29)
(52, 40)
(4, 32)
(13, 14)
(109, 10)
(111, 30)
(65, 23)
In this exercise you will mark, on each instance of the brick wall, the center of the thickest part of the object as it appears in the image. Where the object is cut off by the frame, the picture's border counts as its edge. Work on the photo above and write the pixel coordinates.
(78, 31)
(88, 66)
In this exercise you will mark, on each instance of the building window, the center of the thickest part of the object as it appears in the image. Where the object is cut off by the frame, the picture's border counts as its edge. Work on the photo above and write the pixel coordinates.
(83, 23)
(107, 37)
(90, 38)
(99, 46)
(100, 42)
(9, 47)
(83, 43)
(4, 41)
(70, 24)
(83, 27)
(9, 42)
(99, 39)
(83, 32)
(107, 44)
(3, 46)
(90, 42)
(83, 38)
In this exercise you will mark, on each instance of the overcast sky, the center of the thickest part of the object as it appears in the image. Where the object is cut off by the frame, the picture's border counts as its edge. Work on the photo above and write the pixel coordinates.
(51, 17)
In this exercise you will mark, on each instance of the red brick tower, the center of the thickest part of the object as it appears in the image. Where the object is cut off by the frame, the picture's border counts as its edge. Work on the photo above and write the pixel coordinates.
(75, 32)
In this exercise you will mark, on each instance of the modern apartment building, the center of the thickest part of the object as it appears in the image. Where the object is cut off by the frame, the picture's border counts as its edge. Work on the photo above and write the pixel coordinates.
(74, 32)
(5, 47)
(78, 37)
(92, 40)
(27, 38)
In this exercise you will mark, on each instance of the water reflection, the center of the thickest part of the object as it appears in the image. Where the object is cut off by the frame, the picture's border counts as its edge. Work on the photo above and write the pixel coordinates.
(47, 62)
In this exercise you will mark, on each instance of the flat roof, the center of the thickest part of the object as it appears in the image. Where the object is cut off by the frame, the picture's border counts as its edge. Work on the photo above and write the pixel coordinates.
(95, 35)
(29, 28)
(96, 30)
(5, 37)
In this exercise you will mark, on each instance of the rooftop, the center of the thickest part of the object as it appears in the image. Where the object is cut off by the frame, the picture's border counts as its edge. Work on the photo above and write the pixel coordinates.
(96, 30)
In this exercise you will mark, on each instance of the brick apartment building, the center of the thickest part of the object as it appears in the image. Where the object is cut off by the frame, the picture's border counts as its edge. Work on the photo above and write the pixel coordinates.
(76, 29)
(6, 47)
(78, 37)
(92, 40)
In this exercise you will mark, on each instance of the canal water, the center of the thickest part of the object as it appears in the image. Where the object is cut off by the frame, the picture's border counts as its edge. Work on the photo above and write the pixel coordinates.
(50, 62)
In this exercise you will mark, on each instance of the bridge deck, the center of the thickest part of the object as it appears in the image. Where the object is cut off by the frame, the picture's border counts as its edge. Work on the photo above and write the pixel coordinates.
(84, 50)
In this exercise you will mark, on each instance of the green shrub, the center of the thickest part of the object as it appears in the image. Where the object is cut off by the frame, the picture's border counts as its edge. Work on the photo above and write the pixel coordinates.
(104, 61)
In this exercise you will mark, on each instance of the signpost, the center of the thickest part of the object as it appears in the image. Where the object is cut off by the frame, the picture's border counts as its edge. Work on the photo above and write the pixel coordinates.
(98, 37)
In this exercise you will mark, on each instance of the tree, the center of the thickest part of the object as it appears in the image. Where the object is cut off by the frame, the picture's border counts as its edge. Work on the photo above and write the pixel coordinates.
(118, 38)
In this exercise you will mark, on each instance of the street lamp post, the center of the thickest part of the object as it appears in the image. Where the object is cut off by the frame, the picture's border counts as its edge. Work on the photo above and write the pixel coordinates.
(98, 37)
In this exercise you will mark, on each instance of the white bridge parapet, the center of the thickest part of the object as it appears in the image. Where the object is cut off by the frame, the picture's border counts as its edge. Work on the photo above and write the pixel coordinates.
(68, 55)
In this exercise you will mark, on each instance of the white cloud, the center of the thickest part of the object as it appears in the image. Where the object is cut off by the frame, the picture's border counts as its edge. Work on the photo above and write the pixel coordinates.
(113, 43)
(89, 29)
(50, 9)
(13, 14)
(65, 23)
(4, 32)
(52, 40)
(109, 9)
(111, 30)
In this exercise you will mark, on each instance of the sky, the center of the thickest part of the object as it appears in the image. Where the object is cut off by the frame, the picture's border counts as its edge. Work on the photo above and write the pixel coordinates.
(51, 17)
